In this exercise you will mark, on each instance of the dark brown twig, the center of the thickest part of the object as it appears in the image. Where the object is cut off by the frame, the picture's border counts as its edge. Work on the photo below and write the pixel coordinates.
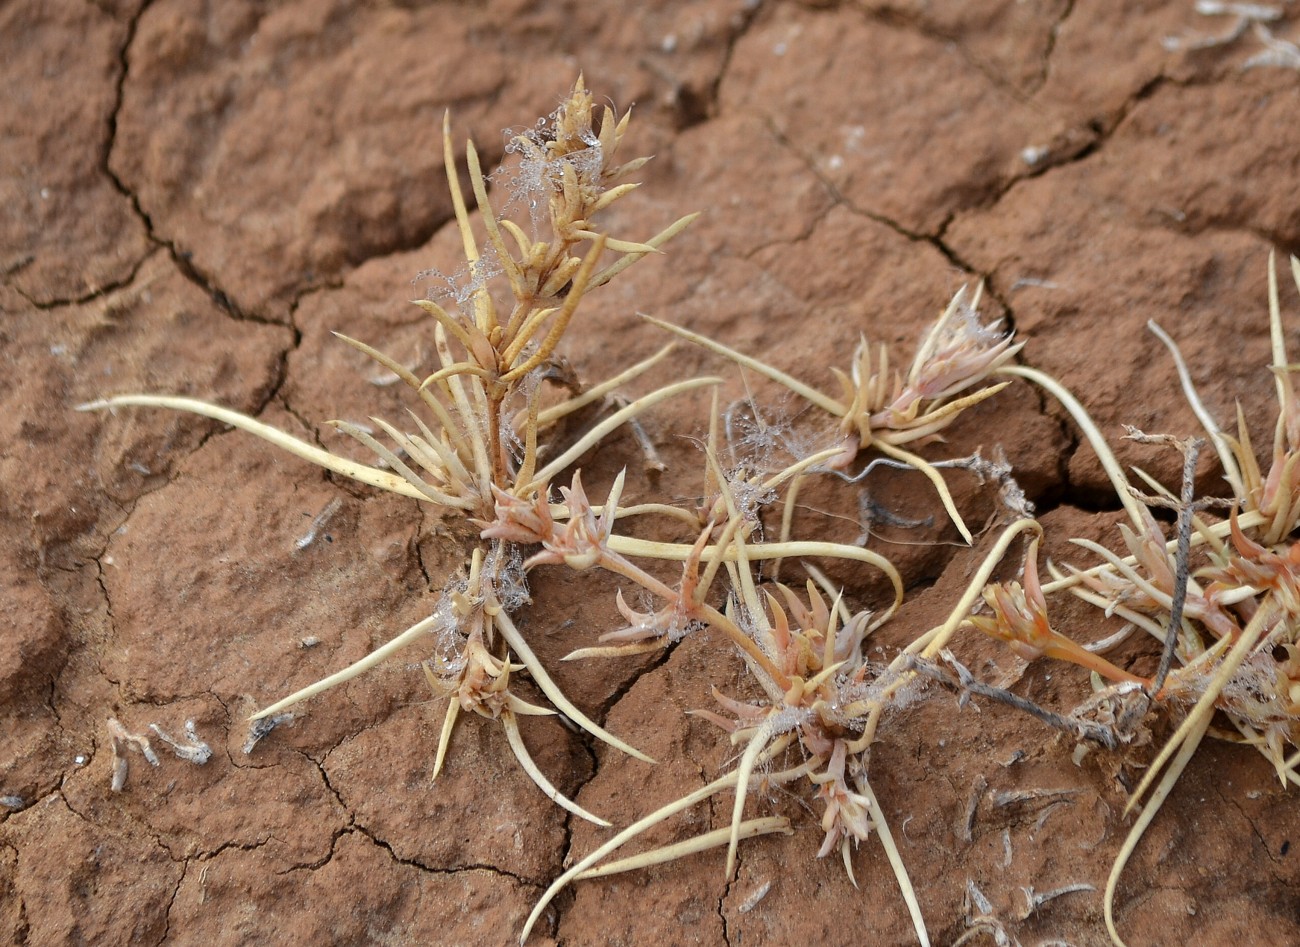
(1187, 507)
(1080, 729)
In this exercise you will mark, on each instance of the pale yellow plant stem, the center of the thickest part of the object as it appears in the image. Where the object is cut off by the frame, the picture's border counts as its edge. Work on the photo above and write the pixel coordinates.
(895, 862)
(930, 643)
(658, 240)
(448, 725)
(1245, 521)
(594, 436)
(1217, 437)
(640, 827)
(405, 639)
(1184, 743)
(1191, 741)
(680, 552)
(596, 392)
(1100, 445)
(623, 837)
(407, 376)
(543, 680)
(826, 403)
(747, 760)
(751, 828)
(511, 726)
(933, 475)
(287, 442)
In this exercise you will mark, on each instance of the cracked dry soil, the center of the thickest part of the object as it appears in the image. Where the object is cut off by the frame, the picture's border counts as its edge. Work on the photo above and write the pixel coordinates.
(195, 195)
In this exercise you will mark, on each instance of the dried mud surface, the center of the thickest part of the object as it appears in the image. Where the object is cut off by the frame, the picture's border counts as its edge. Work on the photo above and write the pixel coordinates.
(196, 195)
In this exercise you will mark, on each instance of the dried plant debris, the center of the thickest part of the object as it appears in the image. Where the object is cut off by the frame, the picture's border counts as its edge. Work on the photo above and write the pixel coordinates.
(191, 749)
(318, 524)
(1259, 19)
(123, 741)
(480, 449)
(884, 410)
(1036, 899)
(824, 701)
(260, 728)
(982, 921)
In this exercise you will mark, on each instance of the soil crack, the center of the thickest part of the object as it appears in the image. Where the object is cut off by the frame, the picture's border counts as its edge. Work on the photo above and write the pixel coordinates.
(171, 903)
(23, 929)
(709, 107)
(1268, 850)
(181, 259)
(1052, 36)
(62, 302)
(325, 778)
(422, 529)
(935, 240)
(588, 744)
(655, 663)
(146, 830)
(722, 900)
(1099, 130)
(208, 855)
(906, 22)
(348, 829)
(433, 870)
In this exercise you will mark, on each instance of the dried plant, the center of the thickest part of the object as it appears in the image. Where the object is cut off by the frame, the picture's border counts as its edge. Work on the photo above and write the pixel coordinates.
(1223, 598)
(479, 451)
(822, 700)
(885, 410)
(1020, 620)
(807, 659)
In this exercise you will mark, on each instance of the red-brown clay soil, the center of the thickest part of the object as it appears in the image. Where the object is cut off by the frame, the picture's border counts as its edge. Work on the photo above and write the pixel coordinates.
(197, 194)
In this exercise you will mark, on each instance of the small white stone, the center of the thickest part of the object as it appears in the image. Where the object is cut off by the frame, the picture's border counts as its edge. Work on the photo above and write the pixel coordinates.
(1034, 154)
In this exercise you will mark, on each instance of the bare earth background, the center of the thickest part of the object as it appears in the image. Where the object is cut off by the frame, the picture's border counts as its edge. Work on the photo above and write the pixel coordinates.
(195, 194)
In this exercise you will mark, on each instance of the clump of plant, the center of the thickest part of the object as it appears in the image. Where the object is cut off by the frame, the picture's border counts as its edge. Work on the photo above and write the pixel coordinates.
(806, 656)
(822, 700)
(480, 449)
(1222, 597)
(885, 411)
(485, 446)
(480, 445)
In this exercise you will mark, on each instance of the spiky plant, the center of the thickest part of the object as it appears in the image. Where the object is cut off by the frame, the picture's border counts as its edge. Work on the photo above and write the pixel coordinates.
(822, 701)
(1222, 597)
(478, 446)
(884, 410)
